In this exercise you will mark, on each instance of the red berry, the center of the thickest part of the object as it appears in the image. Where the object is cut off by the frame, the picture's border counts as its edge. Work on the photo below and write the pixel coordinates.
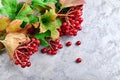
(16, 62)
(22, 65)
(54, 52)
(57, 41)
(37, 42)
(36, 49)
(60, 46)
(44, 50)
(33, 39)
(68, 44)
(78, 43)
(55, 48)
(28, 64)
(34, 45)
(25, 59)
(30, 53)
(49, 51)
(78, 60)
(65, 24)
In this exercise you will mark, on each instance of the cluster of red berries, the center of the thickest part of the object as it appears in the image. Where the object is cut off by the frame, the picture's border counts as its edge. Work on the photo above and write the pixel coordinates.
(54, 46)
(24, 51)
(72, 22)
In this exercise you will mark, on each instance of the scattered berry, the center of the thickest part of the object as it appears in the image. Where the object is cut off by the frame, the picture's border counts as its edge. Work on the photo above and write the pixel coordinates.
(78, 43)
(78, 60)
(68, 43)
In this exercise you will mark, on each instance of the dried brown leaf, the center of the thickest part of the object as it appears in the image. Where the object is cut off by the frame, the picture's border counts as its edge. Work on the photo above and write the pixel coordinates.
(69, 3)
(11, 42)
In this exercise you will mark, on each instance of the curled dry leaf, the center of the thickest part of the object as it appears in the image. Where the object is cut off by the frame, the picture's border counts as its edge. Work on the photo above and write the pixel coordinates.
(1, 46)
(12, 41)
(25, 29)
(4, 21)
(69, 3)
(36, 24)
(14, 26)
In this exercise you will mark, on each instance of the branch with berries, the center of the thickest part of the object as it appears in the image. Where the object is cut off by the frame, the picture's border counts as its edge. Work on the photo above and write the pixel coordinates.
(26, 25)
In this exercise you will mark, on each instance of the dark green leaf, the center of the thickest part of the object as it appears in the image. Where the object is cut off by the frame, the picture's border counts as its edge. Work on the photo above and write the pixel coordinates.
(24, 12)
(23, 24)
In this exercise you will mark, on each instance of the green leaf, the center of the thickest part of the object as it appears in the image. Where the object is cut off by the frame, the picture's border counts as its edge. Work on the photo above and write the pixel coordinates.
(33, 19)
(24, 12)
(43, 4)
(54, 1)
(48, 21)
(9, 8)
(23, 24)
(42, 36)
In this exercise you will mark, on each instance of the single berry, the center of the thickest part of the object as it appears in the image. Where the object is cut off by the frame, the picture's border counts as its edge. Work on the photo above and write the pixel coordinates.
(16, 62)
(60, 46)
(55, 48)
(28, 64)
(44, 50)
(78, 60)
(23, 65)
(78, 43)
(33, 39)
(54, 52)
(37, 42)
(49, 51)
(68, 43)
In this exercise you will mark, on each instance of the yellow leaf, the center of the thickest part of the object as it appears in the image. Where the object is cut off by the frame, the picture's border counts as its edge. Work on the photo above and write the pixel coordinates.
(54, 35)
(42, 29)
(4, 21)
(14, 26)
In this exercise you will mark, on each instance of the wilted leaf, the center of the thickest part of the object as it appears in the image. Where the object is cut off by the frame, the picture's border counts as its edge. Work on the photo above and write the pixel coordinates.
(25, 29)
(12, 41)
(4, 21)
(36, 24)
(14, 26)
(54, 34)
(1, 46)
(69, 3)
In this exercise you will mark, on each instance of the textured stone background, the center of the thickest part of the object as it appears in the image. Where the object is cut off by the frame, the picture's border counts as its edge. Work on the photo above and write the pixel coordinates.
(100, 50)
